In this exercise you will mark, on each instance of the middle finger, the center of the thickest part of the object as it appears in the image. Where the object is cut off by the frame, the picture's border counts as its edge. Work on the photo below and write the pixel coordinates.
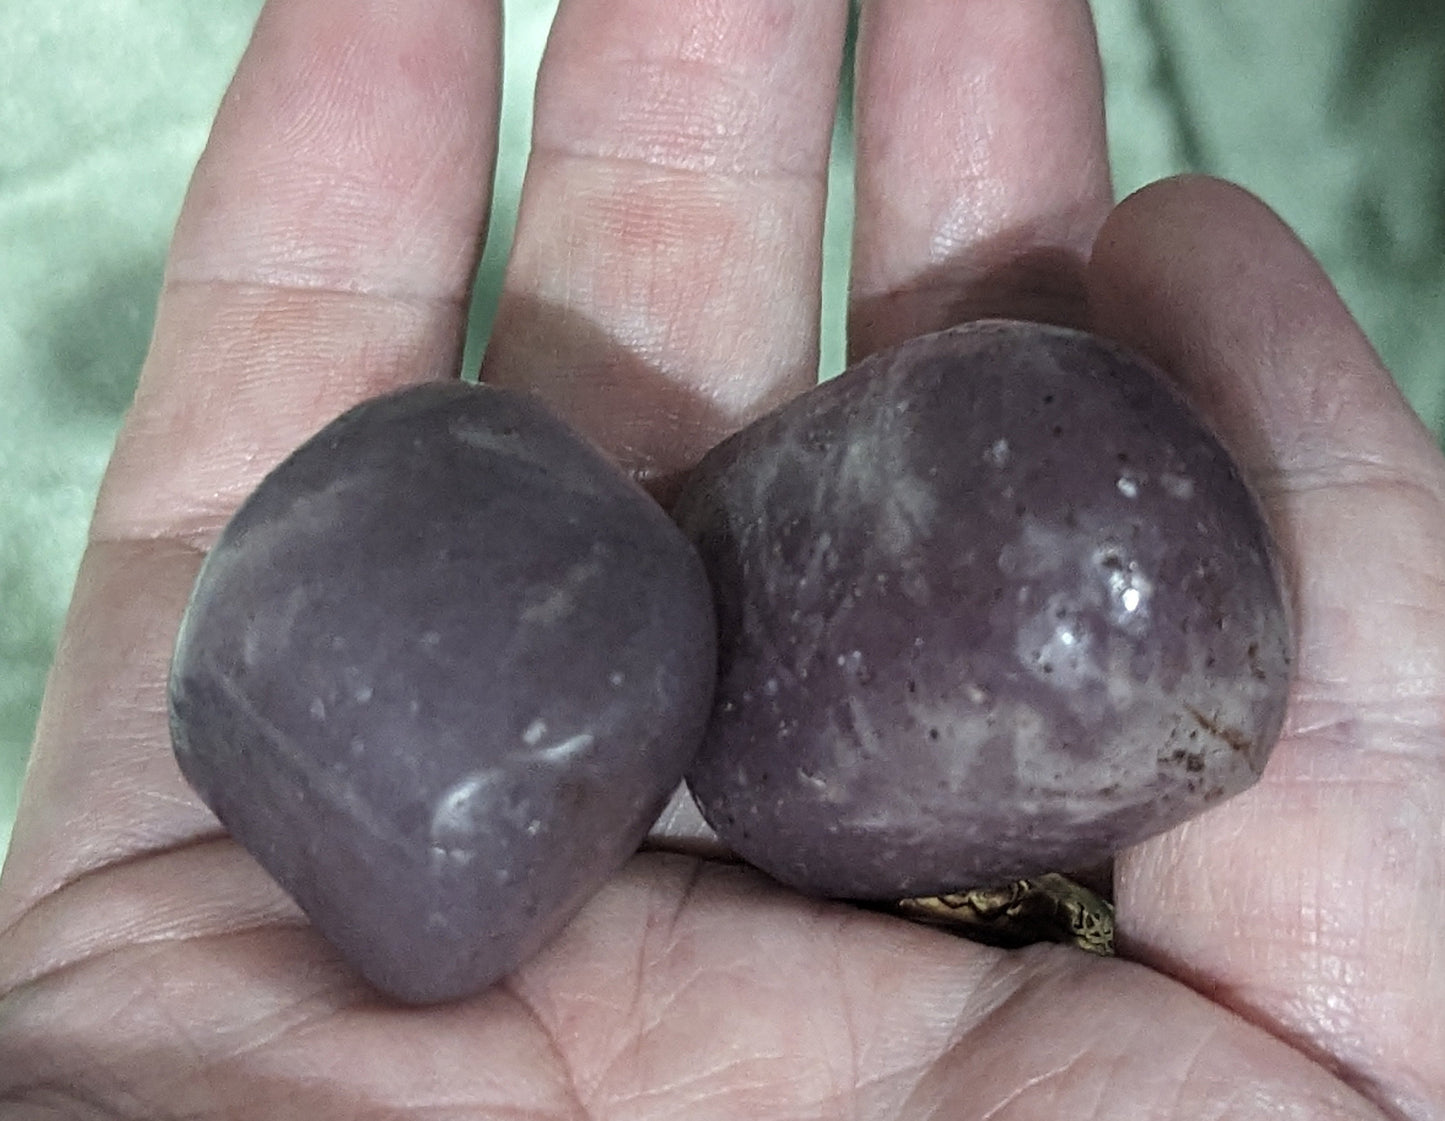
(663, 288)
(983, 170)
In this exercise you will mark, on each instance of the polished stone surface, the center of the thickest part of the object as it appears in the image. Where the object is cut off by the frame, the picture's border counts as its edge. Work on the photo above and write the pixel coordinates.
(439, 675)
(991, 604)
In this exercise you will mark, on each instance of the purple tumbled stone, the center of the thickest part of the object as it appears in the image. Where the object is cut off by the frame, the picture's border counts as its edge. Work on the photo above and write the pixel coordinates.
(992, 603)
(438, 675)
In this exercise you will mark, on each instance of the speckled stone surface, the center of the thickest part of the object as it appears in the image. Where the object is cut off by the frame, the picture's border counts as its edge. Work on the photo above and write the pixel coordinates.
(991, 604)
(438, 675)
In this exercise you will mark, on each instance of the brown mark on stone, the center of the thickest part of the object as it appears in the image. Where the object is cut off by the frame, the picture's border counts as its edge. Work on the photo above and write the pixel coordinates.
(1255, 669)
(1236, 740)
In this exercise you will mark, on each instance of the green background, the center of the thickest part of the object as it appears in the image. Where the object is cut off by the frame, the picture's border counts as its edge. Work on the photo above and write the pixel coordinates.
(1332, 110)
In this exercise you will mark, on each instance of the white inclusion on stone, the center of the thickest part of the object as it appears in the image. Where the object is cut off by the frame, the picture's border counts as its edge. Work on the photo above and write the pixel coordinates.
(869, 739)
(534, 733)
(818, 560)
(251, 647)
(1128, 487)
(1053, 650)
(362, 693)
(318, 708)
(1040, 553)
(1178, 486)
(458, 816)
(567, 749)
(615, 679)
(1128, 589)
(998, 453)
(882, 467)
(1129, 592)
(561, 598)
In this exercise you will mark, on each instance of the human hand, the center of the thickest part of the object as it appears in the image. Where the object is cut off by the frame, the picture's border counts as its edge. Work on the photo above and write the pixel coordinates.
(1283, 955)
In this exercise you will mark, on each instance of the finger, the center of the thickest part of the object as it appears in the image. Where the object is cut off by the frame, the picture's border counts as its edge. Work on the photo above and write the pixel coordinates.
(664, 284)
(1313, 902)
(324, 253)
(982, 168)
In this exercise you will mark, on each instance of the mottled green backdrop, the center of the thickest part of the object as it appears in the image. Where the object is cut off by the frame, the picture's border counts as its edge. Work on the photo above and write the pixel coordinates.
(1332, 110)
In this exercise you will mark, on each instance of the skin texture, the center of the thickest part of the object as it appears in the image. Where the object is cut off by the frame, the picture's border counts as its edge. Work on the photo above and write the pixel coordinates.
(438, 675)
(1282, 954)
(991, 603)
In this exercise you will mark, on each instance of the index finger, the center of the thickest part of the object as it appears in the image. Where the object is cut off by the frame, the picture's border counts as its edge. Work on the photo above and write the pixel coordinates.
(324, 253)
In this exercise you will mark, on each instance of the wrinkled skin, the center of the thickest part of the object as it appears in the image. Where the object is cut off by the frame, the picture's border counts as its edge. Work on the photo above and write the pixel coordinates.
(1282, 955)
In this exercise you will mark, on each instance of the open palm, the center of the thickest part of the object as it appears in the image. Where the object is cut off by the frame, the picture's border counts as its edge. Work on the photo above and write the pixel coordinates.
(1284, 956)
